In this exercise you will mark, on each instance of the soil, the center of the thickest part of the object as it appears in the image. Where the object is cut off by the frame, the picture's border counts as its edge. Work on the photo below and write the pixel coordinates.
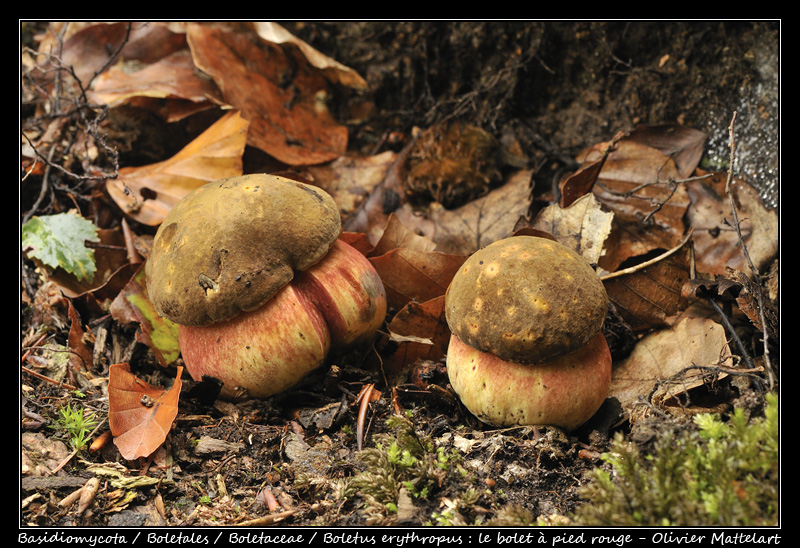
(558, 87)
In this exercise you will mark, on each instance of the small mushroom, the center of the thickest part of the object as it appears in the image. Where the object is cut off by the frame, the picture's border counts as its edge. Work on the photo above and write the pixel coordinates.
(527, 348)
(252, 271)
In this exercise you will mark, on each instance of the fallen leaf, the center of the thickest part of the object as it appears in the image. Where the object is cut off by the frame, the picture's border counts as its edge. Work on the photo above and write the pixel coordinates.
(148, 193)
(386, 198)
(421, 333)
(583, 226)
(646, 297)
(414, 275)
(717, 244)
(276, 89)
(484, 220)
(80, 357)
(350, 180)
(334, 70)
(685, 145)
(139, 414)
(638, 184)
(358, 240)
(87, 47)
(158, 333)
(669, 362)
(581, 182)
(173, 77)
(396, 235)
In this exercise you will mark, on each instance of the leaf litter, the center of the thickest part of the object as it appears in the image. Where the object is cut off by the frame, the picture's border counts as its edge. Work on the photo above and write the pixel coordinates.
(639, 206)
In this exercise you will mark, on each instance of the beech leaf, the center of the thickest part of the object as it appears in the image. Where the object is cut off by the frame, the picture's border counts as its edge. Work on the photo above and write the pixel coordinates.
(649, 296)
(139, 414)
(414, 275)
(671, 361)
(484, 220)
(421, 333)
(282, 95)
(148, 193)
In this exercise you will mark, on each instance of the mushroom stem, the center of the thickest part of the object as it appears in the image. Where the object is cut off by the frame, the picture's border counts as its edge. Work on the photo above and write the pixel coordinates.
(564, 391)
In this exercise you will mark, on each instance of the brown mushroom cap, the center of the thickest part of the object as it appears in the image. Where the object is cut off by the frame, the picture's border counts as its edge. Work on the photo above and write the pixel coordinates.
(526, 299)
(230, 245)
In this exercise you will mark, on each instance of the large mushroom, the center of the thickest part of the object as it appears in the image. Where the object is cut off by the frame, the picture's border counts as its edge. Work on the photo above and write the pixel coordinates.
(526, 347)
(253, 272)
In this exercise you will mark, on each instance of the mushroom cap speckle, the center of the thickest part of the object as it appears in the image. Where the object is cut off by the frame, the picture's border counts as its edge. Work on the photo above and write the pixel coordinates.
(526, 299)
(231, 245)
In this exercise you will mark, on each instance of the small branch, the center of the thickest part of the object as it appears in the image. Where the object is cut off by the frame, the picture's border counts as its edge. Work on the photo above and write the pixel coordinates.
(642, 266)
(756, 274)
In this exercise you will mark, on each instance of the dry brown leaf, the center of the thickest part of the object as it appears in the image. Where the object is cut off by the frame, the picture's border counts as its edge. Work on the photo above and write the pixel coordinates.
(80, 357)
(583, 226)
(148, 193)
(483, 220)
(87, 47)
(334, 71)
(717, 244)
(414, 275)
(582, 181)
(648, 297)
(173, 77)
(396, 235)
(421, 333)
(664, 361)
(358, 240)
(683, 144)
(139, 414)
(282, 95)
(351, 180)
(636, 184)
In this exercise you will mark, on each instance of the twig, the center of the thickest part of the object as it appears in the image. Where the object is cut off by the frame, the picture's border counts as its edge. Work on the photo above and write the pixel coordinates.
(366, 396)
(737, 227)
(654, 260)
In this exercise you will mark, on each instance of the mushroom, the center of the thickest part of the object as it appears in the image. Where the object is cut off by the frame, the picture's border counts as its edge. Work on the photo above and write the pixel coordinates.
(526, 346)
(252, 270)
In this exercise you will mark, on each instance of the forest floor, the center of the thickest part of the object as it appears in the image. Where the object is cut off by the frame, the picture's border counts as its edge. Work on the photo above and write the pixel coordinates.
(294, 458)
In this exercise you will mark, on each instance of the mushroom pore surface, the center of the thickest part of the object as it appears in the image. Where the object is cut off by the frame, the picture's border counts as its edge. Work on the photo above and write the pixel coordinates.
(230, 245)
(526, 299)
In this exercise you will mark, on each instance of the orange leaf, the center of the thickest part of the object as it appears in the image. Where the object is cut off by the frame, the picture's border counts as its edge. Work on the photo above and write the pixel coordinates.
(414, 275)
(148, 193)
(276, 88)
(139, 414)
(421, 333)
(173, 77)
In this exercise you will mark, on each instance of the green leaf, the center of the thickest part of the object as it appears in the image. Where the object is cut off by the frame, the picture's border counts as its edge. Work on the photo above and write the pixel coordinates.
(60, 241)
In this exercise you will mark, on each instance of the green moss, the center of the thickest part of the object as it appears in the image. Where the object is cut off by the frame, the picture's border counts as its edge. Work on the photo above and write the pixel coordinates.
(722, 473)
(400, 460)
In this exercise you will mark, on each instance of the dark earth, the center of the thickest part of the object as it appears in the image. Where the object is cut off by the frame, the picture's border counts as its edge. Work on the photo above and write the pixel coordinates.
(559, 86)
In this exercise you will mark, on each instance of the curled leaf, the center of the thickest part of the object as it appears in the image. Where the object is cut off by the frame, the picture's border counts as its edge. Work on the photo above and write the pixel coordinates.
(148, 193)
